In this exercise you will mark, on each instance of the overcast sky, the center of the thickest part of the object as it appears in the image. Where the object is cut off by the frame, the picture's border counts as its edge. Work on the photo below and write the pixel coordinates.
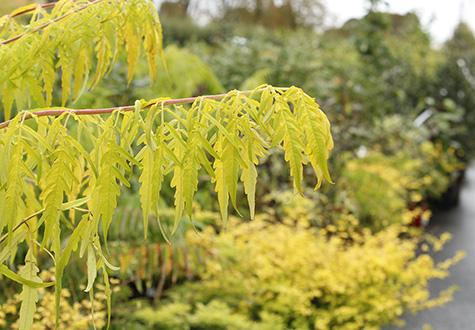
(438, 16)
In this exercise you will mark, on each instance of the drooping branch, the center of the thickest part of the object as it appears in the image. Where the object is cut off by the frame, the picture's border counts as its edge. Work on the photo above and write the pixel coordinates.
(129, 25)
(46, 24)
(33, 8)
(90, 164)
(99, 111)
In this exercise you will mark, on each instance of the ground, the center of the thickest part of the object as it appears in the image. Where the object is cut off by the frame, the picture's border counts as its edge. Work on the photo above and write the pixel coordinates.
(460, 313)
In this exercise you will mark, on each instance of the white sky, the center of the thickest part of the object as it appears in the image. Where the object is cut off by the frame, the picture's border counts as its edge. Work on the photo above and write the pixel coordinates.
(439, 17)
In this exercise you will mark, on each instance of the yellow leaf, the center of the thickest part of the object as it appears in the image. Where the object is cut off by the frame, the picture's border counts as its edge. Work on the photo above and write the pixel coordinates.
(29, 295)
(91, 268)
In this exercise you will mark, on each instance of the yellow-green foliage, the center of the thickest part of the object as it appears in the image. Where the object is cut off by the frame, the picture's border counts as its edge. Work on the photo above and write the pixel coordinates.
(186, 75)
(377, 188)
(258, 78)
(75, 315)
(316, 279)
(80, 164)
(215, 315)
(81, 38)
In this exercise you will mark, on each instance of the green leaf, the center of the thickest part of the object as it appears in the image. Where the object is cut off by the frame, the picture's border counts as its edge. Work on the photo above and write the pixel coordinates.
(76, 203)
(221, 187)
(4, 270)
(249, 179)
(91, 268)
(14, 187)
(29, 295)
(293, 148)
(151, 182)
(61, 264)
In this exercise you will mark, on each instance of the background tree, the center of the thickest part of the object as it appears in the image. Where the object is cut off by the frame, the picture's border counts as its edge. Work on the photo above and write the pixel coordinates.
(456, 79)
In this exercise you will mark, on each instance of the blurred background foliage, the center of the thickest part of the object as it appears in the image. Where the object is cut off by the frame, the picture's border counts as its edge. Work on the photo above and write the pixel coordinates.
(350, 256)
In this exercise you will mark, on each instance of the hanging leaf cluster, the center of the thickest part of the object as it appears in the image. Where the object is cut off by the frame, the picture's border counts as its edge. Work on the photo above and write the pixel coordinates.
(81, 39)
(81, 164)
(62, 170)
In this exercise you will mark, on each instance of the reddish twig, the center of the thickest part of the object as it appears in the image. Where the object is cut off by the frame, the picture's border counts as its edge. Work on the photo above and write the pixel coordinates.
(82, 112)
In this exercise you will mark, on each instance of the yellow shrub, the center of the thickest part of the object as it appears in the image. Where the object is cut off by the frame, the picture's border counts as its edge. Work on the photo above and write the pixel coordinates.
(312, 280)
(74, 315)
(438, 165)
(377, 188)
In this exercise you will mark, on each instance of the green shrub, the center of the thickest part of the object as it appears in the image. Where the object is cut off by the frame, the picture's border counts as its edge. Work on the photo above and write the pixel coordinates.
(215, 315)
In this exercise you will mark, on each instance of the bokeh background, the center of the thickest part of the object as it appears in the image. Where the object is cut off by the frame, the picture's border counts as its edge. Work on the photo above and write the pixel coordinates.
(382, 247)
